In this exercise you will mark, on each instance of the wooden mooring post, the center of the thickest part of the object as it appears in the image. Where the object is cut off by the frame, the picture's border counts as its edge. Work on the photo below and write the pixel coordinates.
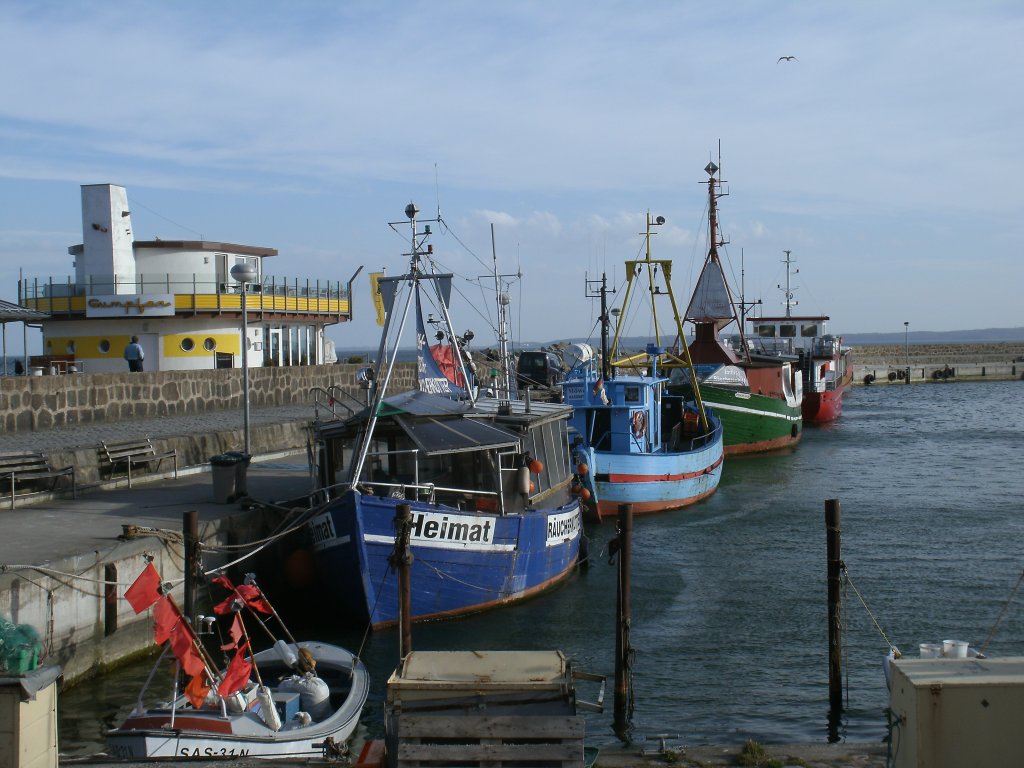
(833, 537)
(190, 529)
(623, 652)
(403, 563)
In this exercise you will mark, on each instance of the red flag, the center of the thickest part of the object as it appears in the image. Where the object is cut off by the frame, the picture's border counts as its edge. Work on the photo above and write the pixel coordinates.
(237, 673)
(185, 650)
(145, 590)
(197, 690)
(249, 594)
(235, 633)
(165, 617)
(254, 598)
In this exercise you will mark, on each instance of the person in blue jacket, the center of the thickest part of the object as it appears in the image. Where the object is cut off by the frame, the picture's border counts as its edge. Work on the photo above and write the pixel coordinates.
(134, 355)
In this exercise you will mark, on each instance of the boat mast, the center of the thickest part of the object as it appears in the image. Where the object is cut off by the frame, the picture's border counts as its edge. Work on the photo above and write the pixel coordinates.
(504, 390)
(788, 291)
(715, 240)
(386, 359)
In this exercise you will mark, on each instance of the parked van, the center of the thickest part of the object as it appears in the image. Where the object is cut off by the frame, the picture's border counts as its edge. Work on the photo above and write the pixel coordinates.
(539, 369)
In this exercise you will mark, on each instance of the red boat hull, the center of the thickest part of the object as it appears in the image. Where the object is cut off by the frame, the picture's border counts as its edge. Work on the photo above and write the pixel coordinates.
(823, 407)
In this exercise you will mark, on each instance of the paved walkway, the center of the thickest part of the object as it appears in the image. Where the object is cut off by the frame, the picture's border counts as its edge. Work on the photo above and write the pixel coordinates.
(89, 435)
(53, 529)
(56, 529)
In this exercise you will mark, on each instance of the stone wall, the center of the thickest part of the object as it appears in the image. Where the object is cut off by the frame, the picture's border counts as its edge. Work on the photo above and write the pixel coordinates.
(30, 403)
(940, 354)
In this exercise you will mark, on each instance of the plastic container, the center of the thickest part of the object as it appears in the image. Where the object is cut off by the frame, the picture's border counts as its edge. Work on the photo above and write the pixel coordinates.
(954, 649)
(222, 468)
(242, 461)
(931, 650)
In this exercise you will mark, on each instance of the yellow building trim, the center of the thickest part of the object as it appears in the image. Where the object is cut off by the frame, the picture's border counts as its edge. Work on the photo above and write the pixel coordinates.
(194, 344)
(88, 347)
(188, 302)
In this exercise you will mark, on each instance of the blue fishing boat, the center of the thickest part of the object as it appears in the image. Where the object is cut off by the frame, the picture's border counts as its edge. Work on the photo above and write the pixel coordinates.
(488, 479)
(633, 441)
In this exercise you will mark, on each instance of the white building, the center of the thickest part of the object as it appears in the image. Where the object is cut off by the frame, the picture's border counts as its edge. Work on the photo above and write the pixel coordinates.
(179, 298)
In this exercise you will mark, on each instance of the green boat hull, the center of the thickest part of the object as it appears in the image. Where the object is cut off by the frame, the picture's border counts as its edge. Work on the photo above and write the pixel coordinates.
(753, 423)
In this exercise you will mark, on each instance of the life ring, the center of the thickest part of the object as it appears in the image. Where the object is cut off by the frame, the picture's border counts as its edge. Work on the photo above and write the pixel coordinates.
(639, 423)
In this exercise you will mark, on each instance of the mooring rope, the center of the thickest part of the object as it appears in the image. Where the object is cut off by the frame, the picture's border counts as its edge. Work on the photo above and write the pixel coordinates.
(1002, 613)
(893, 648)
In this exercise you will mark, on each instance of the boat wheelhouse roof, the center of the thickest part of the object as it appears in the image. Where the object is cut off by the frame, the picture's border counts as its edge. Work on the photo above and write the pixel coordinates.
(439, 436)
(434, 423)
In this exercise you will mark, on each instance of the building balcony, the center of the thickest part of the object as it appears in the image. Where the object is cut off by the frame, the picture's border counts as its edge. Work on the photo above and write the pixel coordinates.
(328, 300)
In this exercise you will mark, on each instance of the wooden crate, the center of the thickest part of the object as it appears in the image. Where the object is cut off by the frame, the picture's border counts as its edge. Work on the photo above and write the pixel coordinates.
(503, 741)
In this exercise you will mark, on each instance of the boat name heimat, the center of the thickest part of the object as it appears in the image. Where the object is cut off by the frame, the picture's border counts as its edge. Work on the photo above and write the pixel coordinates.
(427, 527)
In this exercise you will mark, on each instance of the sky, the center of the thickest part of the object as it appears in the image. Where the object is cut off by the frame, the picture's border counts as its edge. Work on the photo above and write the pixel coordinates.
(886, 156)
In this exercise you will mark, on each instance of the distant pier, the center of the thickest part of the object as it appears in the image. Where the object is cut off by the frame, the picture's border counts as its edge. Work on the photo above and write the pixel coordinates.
(889, 363)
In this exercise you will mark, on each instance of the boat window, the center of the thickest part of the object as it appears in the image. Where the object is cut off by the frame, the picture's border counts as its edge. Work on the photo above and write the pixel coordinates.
(209, 344)
(104, 346)
(187, 344)
(787, 330)
(547, 443)
(809, 330)
(632, 394)
(765, 331)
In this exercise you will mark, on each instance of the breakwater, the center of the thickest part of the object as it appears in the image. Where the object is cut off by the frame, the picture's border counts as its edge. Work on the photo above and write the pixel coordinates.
(885, 362)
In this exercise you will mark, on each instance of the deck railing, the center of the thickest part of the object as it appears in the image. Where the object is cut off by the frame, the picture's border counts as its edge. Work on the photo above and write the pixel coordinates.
(192, 292)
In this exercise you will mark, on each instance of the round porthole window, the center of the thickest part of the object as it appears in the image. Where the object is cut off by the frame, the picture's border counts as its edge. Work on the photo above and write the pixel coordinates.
(187, 344)
(209, 344)
(104, 346)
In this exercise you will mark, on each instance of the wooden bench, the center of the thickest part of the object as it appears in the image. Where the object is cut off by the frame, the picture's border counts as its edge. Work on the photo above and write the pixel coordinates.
(32, 466)
(132, 453)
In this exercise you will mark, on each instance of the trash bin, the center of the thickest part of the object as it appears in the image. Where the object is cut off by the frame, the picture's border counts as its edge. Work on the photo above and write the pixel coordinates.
(242, 461)
(223, 470)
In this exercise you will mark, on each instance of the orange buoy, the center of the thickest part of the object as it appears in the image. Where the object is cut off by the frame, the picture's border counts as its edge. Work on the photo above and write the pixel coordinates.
(584, 494)
(536, 466)
(531, 486)
(582, 469)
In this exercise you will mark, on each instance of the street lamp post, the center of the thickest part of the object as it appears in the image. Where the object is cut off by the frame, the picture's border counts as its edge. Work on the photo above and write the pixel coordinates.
(906, 346)
(244, 274)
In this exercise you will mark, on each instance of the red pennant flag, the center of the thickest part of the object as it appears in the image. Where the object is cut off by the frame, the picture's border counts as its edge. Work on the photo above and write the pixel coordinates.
(254, 598)
(197, 690)
(237, 673)
(235, 633)
(249, 594)
(224, 581)
(145, 590)
(165, 618)
(185, 650)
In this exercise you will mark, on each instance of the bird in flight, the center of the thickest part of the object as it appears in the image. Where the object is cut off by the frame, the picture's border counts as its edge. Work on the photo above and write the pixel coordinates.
(786, 58)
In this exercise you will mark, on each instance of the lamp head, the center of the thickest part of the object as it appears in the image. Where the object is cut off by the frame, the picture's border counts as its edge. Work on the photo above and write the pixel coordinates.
(243, 272)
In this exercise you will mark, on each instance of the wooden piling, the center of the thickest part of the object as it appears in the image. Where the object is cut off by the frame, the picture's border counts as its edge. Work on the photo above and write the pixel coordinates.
(833, 537)
(623, 652)
(190, 529)
(403, 556)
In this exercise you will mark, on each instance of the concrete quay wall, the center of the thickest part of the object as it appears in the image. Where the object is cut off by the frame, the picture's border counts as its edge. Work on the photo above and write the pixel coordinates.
(136, 402)
(75, 603)
(31, 403)
(973, 361)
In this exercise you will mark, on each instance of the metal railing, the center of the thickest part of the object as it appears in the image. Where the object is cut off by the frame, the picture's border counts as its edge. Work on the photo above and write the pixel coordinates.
(66, 296)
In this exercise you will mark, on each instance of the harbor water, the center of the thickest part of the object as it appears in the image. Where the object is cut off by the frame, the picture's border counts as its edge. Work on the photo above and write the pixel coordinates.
(729, 622)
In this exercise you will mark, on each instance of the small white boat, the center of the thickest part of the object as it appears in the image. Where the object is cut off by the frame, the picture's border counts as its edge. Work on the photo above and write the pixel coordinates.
(316, 714)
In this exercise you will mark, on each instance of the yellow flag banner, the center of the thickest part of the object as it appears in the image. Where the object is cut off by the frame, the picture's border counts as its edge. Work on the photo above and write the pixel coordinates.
(378, 301)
